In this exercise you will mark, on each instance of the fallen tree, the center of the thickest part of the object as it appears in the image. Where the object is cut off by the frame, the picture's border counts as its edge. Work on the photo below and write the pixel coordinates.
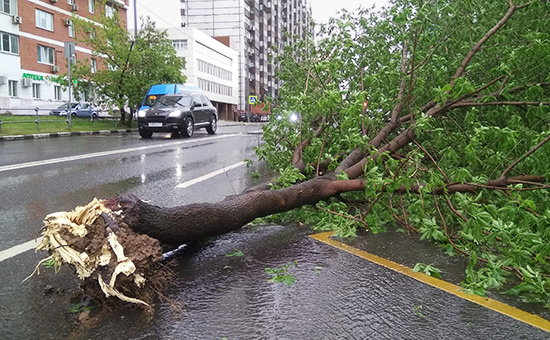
(432, 115)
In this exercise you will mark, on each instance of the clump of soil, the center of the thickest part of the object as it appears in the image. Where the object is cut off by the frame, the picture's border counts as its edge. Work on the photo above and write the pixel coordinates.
(116, 264)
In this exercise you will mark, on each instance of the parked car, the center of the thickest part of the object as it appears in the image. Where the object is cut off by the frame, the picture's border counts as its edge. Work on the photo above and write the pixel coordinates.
(62, 110)
(179, 114)
(264, 118)
(82, 109)
(243, 117)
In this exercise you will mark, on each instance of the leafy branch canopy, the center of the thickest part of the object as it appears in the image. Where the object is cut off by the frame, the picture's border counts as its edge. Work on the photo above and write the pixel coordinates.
(453, 142)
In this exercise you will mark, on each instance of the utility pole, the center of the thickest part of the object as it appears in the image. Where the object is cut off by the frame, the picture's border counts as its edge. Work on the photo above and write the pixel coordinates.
(69, 53)
(135, 19)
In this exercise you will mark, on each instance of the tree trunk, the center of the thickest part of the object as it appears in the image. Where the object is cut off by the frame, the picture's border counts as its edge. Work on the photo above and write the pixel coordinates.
(177, 225)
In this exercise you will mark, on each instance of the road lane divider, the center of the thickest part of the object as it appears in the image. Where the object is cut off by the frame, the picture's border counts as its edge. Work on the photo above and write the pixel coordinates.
(19, 249)
(107, 153)
(497, 306)
(210, 175)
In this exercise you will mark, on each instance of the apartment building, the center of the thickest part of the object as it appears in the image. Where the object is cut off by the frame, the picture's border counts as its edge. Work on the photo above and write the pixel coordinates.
(33, 35)
(210, 64)
(256, 30)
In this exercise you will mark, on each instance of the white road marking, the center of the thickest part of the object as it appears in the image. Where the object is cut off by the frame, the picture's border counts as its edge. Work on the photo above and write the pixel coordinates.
(19, 249)
(103, 153)
(210, 175)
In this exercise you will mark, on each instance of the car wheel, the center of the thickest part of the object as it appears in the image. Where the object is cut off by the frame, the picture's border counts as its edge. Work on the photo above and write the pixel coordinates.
(145, 133)
(187, 127)
(94, 116)
(73, 114)
(211, 129)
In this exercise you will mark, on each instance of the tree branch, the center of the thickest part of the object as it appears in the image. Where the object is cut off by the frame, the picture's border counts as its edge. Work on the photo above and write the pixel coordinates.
(510, 103)
(525, 155)
(484, 39)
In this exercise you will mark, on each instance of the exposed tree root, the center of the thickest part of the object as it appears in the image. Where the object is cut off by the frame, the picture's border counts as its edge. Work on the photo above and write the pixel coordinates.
(110, 258)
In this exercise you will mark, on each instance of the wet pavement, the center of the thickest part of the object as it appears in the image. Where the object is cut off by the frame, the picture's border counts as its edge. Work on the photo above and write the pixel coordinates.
(336, 295)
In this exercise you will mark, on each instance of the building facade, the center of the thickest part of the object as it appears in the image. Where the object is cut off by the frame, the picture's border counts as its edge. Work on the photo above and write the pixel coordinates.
(257, 29)
(33, 39)
(209, 64)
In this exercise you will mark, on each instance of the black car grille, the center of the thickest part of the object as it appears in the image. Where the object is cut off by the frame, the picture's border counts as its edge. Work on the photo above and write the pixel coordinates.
(159, 119)
(155, 119)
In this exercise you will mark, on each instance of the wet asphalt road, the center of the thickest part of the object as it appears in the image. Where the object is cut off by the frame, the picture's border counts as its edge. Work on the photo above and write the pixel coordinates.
(336, 296)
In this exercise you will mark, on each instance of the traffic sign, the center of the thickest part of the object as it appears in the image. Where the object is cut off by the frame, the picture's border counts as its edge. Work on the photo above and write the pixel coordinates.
(69, 49)
(252, 99)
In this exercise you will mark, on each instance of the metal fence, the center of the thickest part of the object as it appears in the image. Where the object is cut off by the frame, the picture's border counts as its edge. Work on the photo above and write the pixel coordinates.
(37, 119)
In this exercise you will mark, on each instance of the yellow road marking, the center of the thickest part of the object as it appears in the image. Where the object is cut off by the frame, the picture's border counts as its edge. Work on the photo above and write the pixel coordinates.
(497, 306)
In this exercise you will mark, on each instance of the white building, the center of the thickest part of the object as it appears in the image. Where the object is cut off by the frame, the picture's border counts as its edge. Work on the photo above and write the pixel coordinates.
(258, 30)
(209, 64)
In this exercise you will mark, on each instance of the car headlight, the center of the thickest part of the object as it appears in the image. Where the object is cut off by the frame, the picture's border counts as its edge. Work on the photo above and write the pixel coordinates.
(141, 113)
(176, 113)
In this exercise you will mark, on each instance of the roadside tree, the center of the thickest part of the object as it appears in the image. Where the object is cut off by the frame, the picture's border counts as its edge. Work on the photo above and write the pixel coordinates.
(125, 66)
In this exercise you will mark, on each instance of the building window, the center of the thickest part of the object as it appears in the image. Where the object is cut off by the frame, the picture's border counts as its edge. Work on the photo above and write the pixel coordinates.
(91, 6)
(45, 54)
(12, 84)
(179, 44)
(44, 20)
(70, 2)
(109, 11)
(9, 43)
(5, 6)
(57, 92)
(93, 67)
(71, 29)
(36, 90)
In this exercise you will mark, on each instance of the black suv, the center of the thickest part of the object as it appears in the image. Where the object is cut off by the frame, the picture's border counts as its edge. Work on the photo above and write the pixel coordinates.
(179, 114)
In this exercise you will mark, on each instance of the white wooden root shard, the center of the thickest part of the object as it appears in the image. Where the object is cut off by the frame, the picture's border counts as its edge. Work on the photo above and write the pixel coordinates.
(76, 223)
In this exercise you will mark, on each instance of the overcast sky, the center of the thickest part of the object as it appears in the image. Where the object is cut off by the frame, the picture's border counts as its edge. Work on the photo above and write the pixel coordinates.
(166, 12)
(322, 10)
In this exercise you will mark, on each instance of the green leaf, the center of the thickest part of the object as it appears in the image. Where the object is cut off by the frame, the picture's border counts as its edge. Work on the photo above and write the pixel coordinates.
(236, 252)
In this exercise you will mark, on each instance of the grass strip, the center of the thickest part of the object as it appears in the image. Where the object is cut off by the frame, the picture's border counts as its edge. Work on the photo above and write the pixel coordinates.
(26, 124)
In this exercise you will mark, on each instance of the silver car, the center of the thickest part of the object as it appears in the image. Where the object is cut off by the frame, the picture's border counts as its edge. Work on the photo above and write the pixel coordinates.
(81, 109)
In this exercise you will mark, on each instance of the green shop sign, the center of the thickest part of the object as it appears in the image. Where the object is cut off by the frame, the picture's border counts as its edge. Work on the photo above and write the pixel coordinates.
(47, 78)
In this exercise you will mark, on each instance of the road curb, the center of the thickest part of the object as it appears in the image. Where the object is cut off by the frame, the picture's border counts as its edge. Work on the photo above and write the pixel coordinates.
(64, 134)
(100, 132)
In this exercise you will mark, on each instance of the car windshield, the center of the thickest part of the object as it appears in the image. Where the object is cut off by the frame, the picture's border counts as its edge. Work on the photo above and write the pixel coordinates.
(152, 99)
(66, 106)
(173, 101)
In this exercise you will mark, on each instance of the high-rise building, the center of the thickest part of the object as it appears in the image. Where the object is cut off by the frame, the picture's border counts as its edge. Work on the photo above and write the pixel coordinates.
(257, 29)
(32, 48)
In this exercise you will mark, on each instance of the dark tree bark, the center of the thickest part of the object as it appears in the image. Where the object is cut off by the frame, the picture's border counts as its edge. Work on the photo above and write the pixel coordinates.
(177, 225)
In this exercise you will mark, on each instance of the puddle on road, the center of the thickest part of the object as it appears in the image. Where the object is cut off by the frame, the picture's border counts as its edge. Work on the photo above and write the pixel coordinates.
(409, 250)
(336, 296)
